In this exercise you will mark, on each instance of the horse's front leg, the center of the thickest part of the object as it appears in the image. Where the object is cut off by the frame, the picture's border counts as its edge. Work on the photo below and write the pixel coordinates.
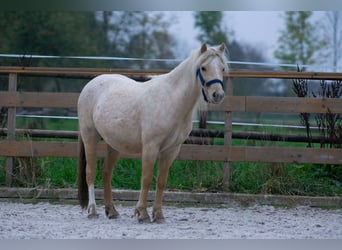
(107, 173)
(165, 161)
(149, 157)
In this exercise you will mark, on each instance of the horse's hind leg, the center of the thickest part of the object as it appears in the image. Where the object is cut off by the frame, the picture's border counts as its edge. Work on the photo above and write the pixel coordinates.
(90, 145)
(165, 161)
(107, 173)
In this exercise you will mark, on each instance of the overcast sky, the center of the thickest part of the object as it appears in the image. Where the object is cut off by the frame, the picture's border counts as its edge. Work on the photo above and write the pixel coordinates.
(257, 28)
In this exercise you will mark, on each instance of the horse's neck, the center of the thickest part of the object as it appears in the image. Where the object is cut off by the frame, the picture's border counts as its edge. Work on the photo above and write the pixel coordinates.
(184, 77)
(182, 80)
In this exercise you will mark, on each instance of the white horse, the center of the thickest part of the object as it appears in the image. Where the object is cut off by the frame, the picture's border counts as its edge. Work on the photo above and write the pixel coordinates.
(152, 118)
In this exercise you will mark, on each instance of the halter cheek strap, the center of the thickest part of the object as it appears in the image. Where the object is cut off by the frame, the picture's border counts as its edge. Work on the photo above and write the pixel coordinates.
(206, 84)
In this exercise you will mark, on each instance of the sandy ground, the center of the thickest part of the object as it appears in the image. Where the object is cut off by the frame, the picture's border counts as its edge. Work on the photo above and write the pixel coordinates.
(56, 221)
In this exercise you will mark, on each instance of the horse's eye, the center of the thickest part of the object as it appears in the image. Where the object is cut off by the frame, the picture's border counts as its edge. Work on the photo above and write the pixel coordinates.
(223, 70)
(203, 68)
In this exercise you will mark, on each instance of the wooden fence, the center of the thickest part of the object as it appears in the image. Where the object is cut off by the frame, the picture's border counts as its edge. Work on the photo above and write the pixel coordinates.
(227, 153)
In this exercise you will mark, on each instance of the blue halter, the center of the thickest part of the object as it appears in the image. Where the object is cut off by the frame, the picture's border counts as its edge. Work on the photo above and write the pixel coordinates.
(206, 84)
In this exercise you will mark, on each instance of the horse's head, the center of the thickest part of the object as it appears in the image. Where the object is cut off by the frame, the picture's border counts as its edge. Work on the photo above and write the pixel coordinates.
(210, 68)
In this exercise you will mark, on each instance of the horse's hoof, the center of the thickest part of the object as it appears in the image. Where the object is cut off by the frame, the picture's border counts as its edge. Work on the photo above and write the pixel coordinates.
(158, 217)
(145, 220)
(111, 213)
(143, 217)
(113, 216)
(93, 216)
(159, 220)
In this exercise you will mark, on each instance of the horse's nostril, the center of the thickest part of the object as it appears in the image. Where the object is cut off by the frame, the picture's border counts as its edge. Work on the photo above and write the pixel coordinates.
(217, 96)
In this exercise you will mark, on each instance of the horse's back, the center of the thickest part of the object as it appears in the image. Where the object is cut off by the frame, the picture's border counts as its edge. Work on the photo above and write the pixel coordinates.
(102, 83)
(100, 87)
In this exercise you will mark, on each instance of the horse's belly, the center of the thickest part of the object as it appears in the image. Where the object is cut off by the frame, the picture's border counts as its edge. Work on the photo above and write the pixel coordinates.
(125, 144)
(122, 135)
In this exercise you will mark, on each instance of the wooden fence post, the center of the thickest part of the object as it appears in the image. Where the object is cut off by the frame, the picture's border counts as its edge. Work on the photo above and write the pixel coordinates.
(11, 125)
(228, 131)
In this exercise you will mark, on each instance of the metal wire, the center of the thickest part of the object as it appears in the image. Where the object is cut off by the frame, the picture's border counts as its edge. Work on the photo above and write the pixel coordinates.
(114, 58)
(248, 124)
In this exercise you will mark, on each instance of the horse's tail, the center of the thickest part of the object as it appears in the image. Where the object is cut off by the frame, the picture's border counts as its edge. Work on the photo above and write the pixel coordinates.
(82, 177)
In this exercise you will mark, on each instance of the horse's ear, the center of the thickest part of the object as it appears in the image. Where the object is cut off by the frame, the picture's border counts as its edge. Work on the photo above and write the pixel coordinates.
(203, 48)
(222, 47)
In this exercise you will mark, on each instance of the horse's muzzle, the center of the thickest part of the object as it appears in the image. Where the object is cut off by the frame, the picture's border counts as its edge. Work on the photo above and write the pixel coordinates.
(217, 97)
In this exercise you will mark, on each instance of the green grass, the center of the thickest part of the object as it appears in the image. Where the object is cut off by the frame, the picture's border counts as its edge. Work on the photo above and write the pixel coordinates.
(199, 176)
(255, 178)
(195, 176)
(289, 179)
(49, 124)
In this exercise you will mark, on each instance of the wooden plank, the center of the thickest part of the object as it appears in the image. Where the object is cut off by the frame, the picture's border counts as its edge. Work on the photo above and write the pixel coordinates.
(202, 153)
(203, 133)
(69, 149)
(11, 117)
(42, 149)
(293, 155)
(37, 149)
(188, 152)
(39, 99)
(77, 72)
(47, 149)
(11, 125)
(285, 75)
(91, 72)
(177, 196)
(228, 132)
(230, 103)
(278, 104)
(293, 105)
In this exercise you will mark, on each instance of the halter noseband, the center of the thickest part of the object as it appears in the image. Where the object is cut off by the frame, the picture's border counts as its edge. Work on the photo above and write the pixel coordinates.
(206, 84)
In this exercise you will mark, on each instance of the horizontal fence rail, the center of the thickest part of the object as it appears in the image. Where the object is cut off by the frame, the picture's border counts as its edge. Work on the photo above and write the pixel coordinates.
(188, 152)
(211, 133)
(91, 72)
(230, 103)
(13, 99)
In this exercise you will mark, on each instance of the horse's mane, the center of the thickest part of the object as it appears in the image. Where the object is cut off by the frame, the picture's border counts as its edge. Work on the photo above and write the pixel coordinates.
(197, 58)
